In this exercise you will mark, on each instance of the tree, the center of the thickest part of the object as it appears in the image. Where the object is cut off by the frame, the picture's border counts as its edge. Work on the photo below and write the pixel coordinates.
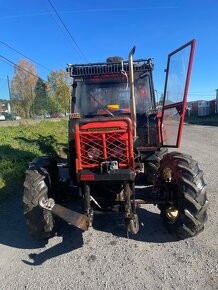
(41, 98)
(23, 88)
(59, 91)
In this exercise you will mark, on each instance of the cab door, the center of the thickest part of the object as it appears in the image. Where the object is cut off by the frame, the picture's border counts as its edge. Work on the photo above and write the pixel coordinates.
(178, 74)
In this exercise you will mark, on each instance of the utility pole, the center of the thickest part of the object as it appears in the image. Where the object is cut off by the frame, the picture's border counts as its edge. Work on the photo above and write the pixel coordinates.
(57, 101)
(47, 101)
(65, 105)
(9, 90)
(33, 102)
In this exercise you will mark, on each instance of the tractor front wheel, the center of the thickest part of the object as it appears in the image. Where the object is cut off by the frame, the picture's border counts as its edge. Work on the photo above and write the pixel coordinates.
(182, 180)
(41, 181)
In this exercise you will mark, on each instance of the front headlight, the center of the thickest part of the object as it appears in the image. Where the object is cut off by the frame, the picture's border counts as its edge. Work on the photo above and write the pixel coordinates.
(93, 153)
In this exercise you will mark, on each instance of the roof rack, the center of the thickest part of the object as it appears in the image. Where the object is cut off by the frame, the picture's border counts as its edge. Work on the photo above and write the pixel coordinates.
(91, 69)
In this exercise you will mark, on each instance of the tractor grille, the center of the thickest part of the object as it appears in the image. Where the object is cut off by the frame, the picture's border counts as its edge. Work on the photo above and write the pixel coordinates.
(103, 140)
(98, 147)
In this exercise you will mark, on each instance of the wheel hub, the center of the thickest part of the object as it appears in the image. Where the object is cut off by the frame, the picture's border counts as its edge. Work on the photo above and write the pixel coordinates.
(172, 213)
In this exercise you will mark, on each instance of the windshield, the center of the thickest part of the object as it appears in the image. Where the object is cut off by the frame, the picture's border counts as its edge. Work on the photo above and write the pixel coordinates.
(97, 96)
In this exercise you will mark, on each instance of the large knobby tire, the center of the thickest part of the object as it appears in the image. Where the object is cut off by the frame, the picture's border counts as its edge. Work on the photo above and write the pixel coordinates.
(187, 215)
(41, 180)
(151, 166)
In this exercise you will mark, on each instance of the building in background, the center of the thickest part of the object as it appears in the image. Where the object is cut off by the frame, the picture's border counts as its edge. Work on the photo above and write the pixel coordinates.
(194, 109)
(5, 106)
(212, 107)
(202, 108)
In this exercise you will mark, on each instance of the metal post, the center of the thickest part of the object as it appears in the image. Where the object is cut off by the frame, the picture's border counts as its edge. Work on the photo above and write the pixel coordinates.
(157, 101)
(132, 92)
(47, 101)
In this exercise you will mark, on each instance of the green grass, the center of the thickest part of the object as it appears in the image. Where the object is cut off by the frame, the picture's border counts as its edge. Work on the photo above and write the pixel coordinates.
(19, 145)
(209, 121)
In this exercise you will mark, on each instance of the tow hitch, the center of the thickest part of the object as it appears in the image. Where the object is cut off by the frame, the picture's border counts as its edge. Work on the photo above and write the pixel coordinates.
(76, 219)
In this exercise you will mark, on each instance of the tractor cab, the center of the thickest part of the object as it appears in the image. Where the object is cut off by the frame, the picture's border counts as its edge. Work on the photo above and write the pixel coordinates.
(106, 88)
(102, 90)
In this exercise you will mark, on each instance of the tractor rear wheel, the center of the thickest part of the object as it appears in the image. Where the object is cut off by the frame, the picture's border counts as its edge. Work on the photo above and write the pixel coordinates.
(181, 178)
(41, 180)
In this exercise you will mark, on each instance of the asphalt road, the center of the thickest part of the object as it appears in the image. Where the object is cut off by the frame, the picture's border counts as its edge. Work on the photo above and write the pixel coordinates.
(103, 258)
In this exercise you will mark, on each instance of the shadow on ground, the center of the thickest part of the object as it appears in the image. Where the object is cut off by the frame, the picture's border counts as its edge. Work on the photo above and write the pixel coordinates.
(203, 121)
(71, 240)
(151, 228)
(14, 233)
(46, 144)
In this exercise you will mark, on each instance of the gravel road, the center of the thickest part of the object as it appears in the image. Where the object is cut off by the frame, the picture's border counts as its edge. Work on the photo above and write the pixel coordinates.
(103, 258)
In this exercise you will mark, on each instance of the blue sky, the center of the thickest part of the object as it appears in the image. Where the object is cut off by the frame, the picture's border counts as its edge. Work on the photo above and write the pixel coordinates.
(105, 28)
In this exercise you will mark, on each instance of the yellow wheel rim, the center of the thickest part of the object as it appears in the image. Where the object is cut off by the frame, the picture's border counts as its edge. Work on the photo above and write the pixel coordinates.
(172, 213)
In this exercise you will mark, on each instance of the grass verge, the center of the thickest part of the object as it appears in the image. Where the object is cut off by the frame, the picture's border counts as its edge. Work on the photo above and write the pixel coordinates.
(19, 145)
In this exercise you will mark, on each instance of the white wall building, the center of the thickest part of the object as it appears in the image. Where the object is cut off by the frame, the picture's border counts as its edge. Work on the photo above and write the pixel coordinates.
(203, 108)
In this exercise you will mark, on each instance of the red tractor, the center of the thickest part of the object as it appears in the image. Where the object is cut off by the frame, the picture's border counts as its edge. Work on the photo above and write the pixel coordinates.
(119, 136)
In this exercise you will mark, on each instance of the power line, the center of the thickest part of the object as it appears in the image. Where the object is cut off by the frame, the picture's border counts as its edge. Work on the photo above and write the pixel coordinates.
(205, 92)
(201, 95)
(91, 10)
(71, 37)
(6, 60)
(7, 45)
(52, 14)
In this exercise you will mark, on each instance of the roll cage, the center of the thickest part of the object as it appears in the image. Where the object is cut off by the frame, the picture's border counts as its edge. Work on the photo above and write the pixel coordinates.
(109, 84)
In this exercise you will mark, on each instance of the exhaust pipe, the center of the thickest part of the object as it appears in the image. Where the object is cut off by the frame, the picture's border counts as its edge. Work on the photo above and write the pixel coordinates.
(132, 92)
(76, 219)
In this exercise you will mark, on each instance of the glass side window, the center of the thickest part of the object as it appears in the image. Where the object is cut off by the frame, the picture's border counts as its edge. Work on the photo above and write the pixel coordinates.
(175, 93)
(177, 74)
(143, 95)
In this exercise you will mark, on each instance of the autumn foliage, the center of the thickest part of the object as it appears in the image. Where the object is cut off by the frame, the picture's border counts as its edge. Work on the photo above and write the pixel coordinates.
(30, 95)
